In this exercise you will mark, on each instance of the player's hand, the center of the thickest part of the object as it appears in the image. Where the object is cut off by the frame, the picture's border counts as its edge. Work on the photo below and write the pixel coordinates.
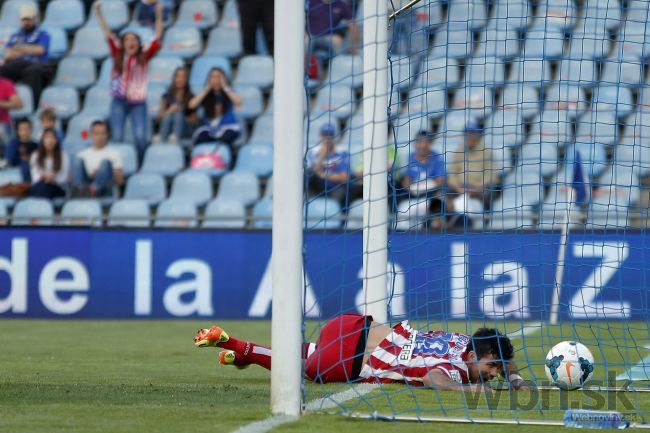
(521, 385)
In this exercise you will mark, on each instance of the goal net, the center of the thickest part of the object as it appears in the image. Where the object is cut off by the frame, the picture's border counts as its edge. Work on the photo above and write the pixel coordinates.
(515, 183)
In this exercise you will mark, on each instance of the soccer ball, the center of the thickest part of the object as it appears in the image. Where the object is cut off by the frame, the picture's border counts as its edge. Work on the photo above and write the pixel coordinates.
(569, 365)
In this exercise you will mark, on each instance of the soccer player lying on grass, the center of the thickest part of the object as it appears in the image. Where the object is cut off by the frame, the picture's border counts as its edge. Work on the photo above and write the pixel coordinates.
(352, 347)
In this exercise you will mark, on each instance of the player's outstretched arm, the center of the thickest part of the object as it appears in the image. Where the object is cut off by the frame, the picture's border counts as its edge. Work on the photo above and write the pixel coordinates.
(511, 372)
(437, 379)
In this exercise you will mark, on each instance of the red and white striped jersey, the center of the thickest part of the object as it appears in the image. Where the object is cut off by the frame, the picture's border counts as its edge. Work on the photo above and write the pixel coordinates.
(408, 355)
(132, 83)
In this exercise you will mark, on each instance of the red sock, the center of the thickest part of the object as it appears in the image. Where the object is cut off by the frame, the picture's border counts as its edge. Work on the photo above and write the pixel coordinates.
(249, 353)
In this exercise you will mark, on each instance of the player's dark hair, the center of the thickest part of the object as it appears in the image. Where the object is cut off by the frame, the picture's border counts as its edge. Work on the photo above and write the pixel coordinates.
(486, 341)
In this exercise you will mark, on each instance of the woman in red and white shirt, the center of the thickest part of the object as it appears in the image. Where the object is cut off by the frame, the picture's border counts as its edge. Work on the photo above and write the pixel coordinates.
(129, 78)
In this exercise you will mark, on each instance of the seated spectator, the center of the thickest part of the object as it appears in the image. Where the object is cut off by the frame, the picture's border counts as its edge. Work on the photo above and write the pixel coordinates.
(26, 54)
(129, 78)
(50, 167)
(328, 169)
(9, 100)
(472, 171)
(48, 121)
(327, 22)
(175, 117)
(98, 168)
(218, 102)
(255, 14)
(392, 167)
(20, 149)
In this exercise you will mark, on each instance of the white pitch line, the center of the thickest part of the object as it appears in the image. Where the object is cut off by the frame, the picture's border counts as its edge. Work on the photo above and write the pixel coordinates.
(266, 424)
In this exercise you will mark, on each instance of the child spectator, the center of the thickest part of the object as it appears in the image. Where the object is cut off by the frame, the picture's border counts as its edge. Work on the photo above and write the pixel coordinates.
(19, 149)
(328, 168)
(97, 168)
(176, 119)
(9, 100)
(50, 167)
(218, 101)
(48, 121)
(130, 78)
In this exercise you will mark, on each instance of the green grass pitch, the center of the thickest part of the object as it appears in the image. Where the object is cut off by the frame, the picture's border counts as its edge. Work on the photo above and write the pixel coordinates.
(146, 376)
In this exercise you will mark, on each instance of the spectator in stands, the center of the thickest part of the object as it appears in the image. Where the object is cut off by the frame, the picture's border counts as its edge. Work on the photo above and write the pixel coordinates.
(48, 120)
(9, 100)
(218, 101)
(50, 167)
(145, 12)
(425, 176)
(130, 78)
(328, 169)
(254, 14)
(471, 171)
(176, 119)
(20, 149)
(99, 167)
(327, 23)
(26, 54)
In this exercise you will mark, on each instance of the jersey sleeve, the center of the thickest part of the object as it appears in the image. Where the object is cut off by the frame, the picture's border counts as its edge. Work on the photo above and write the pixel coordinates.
(114, 45)
(152, 48)
(452, 372)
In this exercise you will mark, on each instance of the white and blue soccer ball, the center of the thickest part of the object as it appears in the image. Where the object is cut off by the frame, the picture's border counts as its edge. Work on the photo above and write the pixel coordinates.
(569, 365)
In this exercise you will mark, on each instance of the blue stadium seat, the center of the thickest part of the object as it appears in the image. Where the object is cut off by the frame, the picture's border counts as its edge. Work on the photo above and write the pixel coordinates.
(184, 42)
(65, 14)
(34, 212)
(129, 157)
(498, 43)
(155, 92)
(552, 126)
(479, 100)
(403, 73)
(454, 41)
(632, 39)
(224, 41)
(262, 130)
(104, 79)
(411, 214)
(430, 102)
(242, 186)
(26, 96)
(145, 33)
(63, 100)
(438, 72)
(176, 213)
(223, 151)
(116, 13)
(97, 102)
(560, 14)
(471, 13)
(79, 127)
(484, 71)
(5, 33)
(201, 69)
(89, 41)
(592, 155)
(578, 72)
(146, 186)
(510, 14)
(543, 42)
(164, 159)
(263, 213)
(77, 72)
(613, 99)
(193, 186)
(565, 97)
(338, 100)
(521, 98)
(252, 102)
(161, 69)
(322, 214)
(197, 13)
(540, 157)
(10, 13)
(346, 70)
(73, 147)
(589, 44)
(255, 70)
(58, 42)
(230, 17)
(224, 214)
(533, 72)
(256, 158)
(504, 131)
(625, 72)
(601, 127)
(605, 14)
(82, 212)
(129, 213)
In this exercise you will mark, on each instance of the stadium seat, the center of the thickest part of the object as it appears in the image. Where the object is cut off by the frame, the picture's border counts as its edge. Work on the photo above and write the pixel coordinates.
(353, 132)
(97, 102)
(252, 102)
(197, 13)
(470, 13)
(338, 100)
(477, 99)
(230, 15)
(129, 213)
(116, 13)
(63, 100)
(82, 212)
(346, 70)
(482, 71)
(224, 41)
(201, 70)
(632, 40)
(402, 74)
(577, 72)
(77, 72)
(146, 186)
(129, 157)
(602, 14)
(145, 33)
(565, 97)
(510, 14)
(612, 99)
(33, 212)
(5, 33)
(592, 155)
(625, 72)
(58, 42)
(498, 43)
(90, 42)
(354, 220)
(73, 147)
(256, 158)
(504, 128)
(559, 14)
(10, 13)
(522, 98)
(539, 156)
(65, 14)
(155, 92)
(224, 214)
(104, 79)
(223, 151)
(589, 44)
(598, 127)
(161, 69)
(262, 130)
(437, 72)
(240, 185)
(430, 102)
(533, 72)
(8, 176)
(184, 42)
(411, 214)
(511, 219)
(79, 127)
(176, 213)
(454, 41)
(625, 180)
(263, 213)
(25, 93)
(322, 214)
(255, 70)
(543, 42)
(164, 159)
(193, 186)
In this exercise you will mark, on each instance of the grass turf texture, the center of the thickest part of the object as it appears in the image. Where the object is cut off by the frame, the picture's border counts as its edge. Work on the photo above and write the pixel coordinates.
(125, 376)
